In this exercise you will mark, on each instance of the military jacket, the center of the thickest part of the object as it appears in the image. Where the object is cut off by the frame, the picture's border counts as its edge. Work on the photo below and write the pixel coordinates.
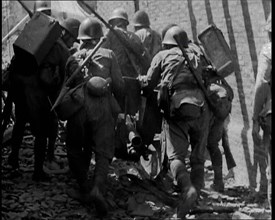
(129, 62)
(184, 87)
(150, 39)
(103, 64)
(262, 101)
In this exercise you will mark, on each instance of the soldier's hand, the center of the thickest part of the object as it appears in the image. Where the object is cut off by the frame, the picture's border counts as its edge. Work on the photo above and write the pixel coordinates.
(256, 133)
(143, 81)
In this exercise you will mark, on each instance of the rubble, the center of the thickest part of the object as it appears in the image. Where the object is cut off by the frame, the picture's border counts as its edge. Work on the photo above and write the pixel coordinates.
(128, 196)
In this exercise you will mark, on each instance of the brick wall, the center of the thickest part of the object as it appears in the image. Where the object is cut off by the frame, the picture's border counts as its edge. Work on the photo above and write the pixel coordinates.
(242, 23)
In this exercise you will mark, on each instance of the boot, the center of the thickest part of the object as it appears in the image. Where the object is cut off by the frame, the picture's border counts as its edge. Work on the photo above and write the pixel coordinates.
(97, 192)
(189, 193)
(189, 196)
(82, 195)
(218, 184)
(197, 176)
(39, 157)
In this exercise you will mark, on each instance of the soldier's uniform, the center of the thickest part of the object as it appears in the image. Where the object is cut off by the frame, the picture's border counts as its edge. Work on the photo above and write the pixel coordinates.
(262, 112)
(150, 38)
(39, 89)
(180, 129)
(91, 129)
(130, 63)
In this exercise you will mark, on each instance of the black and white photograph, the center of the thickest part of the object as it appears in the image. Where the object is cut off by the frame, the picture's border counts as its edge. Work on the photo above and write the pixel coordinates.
(136, 110)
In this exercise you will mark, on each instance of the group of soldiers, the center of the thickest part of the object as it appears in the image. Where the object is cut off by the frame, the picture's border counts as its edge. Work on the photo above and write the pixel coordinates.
(119, 82)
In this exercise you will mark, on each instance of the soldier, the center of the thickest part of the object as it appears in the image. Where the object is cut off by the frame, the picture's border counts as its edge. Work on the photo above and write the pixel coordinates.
(71, 27)
(150, 119)
(38, 89)
(134, 61)
(187, 120)
(150, 38)
(262, 112)
(91, 129)
(129, 60)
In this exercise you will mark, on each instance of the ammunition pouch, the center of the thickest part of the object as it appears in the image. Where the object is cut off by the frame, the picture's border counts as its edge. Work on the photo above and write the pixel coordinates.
(221, 95)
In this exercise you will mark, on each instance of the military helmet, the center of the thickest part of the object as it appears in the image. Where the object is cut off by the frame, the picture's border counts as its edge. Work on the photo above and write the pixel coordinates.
(42, 6)
(71, 25)
(90, 28)
(119, 13)
(141, 18)
(174, 33)
(268, 26)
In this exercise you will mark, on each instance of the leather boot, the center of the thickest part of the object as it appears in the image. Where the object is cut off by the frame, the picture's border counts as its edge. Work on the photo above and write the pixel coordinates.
(98, 190)
(218, 184)
(189, 195)
(39, 158)
(197, 176)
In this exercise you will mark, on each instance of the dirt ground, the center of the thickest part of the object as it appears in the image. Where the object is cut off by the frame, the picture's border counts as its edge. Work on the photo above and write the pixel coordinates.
(128, 197)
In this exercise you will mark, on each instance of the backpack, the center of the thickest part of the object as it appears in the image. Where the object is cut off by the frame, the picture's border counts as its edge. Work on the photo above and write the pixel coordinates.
(221, 95)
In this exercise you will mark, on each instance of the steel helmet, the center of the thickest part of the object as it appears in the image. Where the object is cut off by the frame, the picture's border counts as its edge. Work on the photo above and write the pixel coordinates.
(119, 13)
(71, 25)
(90, 28)
(141, 18)
(42, 6)
(268, 26)
(173, 33)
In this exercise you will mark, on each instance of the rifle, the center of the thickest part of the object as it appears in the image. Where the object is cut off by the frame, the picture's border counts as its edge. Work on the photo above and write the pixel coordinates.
(65, 87)
(26, 8)
(121, 40)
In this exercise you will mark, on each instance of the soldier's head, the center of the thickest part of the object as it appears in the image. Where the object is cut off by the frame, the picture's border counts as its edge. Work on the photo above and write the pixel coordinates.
(175, 37)
(268, 27)
(119, 18)
(43, 6)
(70, 30)
(141, 20)
(90, 31)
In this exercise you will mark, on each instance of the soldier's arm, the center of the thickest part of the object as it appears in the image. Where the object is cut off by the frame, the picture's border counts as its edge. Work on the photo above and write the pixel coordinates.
(262, 83)
(154, 74)
(117, 80)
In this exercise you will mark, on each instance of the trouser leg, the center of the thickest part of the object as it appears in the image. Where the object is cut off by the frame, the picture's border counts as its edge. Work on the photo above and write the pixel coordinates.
(74, 142)
(52, 137)
(99, 187)
(188, 191)
(18, 129)
(39, 153)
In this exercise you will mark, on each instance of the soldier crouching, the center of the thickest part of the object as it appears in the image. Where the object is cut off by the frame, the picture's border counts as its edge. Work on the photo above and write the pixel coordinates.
(91, 129)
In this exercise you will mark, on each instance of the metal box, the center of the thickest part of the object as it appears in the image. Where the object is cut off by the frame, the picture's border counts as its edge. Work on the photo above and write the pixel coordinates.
(37, 37)
(217, 50)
